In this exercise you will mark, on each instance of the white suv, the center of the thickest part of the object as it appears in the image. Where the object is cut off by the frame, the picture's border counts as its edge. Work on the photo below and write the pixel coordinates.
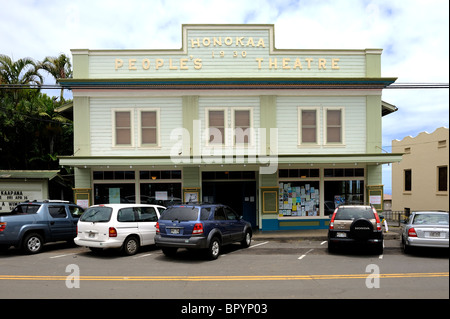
(124, 226)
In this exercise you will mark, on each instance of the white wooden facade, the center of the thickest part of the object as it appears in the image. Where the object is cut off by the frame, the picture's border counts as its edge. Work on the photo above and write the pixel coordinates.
(229, 68)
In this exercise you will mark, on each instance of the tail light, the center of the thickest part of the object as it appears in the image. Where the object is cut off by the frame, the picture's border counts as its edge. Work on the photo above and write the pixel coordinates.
(332, 219)
(412, 232)
(112, 232)
(157, 227)
(377, 219)
(198, 229)
(2, 226)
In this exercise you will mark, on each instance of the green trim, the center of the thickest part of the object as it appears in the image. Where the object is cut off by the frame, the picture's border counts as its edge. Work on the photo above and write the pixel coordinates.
(299, 223)
(277, 83)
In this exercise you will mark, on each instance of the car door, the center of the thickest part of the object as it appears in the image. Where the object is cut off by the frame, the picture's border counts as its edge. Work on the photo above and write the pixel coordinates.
(60, 225)
(220, 223)
(126, 223)
(147, 218)
(234, 224)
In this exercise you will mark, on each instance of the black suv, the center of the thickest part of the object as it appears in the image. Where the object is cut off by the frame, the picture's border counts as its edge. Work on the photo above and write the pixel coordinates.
(355, 224)
(201, 226)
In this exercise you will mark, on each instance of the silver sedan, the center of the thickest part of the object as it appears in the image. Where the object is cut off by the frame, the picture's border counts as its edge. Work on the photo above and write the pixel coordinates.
(426, 229)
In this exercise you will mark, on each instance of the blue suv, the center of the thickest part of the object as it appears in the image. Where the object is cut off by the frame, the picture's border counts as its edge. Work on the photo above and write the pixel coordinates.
(201, 226)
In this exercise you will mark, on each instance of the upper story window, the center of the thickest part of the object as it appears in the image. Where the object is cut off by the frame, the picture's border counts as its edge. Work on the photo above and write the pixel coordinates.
(216, 123)
(123, 124)
(334, 126)
(149, 127)
(442, 178)
(407, 180)
(229, 125)
(308, 119)
(242, 119)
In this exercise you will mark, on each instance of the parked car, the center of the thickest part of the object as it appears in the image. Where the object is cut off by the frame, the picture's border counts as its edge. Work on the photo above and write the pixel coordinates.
(32, 224)
(355, 225)
(123, 226)
(201, 226)
(425, 229)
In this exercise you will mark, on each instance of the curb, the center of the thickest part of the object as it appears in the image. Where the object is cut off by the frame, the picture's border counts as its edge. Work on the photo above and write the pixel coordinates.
(297, 236)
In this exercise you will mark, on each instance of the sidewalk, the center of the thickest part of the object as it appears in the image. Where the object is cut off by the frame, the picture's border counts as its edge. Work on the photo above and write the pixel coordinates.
(309, 234)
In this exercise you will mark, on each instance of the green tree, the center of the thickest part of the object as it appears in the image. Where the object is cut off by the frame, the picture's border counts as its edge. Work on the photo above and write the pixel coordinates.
(17, 76)
(32, 133)
(59, 67)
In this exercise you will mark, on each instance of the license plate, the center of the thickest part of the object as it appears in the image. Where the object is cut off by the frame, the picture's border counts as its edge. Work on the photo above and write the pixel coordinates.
(175, 231)
(435, 234)
(341, 235)
(91, 235)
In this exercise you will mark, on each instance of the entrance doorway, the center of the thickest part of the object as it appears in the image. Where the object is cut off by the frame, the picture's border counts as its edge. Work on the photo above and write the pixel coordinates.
(239, 195)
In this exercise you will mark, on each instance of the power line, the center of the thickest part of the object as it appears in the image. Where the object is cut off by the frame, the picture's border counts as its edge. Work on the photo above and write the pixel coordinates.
(405, 85)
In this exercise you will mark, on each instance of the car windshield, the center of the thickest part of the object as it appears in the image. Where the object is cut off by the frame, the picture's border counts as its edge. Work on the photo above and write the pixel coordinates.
(430, 219)
(98, 214)
(186, 213)
(345, 213)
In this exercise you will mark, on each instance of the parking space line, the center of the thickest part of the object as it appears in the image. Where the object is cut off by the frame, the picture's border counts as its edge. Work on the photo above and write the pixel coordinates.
(253, 246)
(303, 256)
(323, 243)
(59, 256)
(142, 256)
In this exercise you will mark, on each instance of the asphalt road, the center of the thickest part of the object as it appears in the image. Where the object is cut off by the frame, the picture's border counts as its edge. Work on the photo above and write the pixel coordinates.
(299, 270)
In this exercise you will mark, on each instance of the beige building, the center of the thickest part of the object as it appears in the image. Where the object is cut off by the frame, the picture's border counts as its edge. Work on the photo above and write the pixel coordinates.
(420, 180)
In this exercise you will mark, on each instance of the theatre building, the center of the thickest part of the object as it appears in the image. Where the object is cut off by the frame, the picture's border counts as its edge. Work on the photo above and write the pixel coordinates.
(280, 135)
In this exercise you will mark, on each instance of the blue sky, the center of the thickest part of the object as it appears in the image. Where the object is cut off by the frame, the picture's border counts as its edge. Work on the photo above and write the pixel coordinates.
(413, 34)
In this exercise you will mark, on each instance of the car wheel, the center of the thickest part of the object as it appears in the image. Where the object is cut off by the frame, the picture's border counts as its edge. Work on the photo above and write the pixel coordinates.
(379, 248)
(169, 251)
(130, 246)
(406, 247)
(33, 244)
(331, 247)
(214, 249)
(245, 243)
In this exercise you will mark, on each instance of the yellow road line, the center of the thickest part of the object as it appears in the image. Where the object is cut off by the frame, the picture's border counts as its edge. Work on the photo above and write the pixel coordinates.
(224, 278)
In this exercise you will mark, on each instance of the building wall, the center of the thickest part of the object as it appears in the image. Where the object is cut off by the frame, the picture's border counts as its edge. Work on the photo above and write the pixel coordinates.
(423, 155)
(229, 67)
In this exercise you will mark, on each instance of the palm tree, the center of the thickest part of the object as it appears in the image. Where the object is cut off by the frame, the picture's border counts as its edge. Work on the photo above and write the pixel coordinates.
(16, 74)
(59, 67)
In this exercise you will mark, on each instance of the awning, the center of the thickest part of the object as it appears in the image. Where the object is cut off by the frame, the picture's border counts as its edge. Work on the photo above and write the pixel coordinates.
(257, 161)
(28, 174)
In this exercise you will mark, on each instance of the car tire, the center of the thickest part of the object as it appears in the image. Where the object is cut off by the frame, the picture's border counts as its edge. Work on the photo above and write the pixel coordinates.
(406, 248)
(379, 248)
(130, 246)
(214, 249)
(169, 251)
(361, 229)
(331, 247)
(246, 242)
(32, 243)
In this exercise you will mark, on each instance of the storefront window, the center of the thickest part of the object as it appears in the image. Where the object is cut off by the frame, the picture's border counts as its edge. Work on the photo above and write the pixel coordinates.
(114, 193)
(164, 194)
(299, 198)
(344, 192)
